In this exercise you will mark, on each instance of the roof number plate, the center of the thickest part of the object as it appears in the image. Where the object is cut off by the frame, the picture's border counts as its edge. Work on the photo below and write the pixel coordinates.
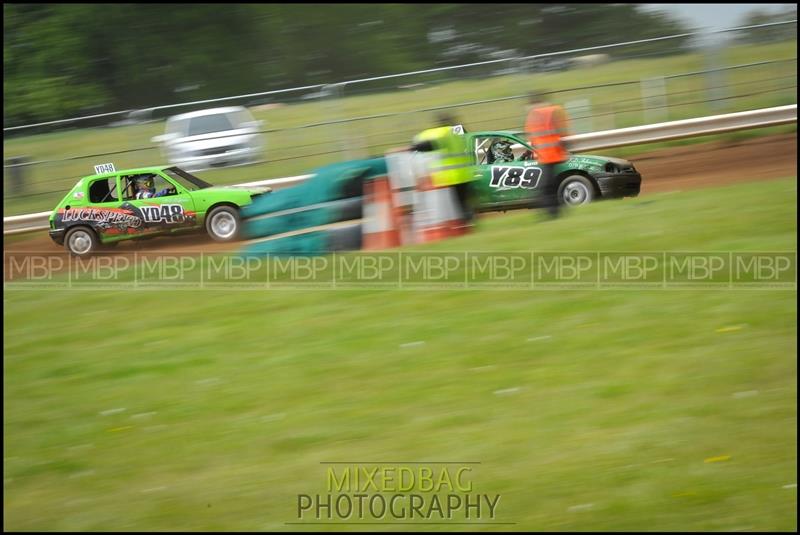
(104, 168)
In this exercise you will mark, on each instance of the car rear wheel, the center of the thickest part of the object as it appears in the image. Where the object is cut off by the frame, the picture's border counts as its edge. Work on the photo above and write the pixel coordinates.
(80, 241)
(223, 224)
(575, 190)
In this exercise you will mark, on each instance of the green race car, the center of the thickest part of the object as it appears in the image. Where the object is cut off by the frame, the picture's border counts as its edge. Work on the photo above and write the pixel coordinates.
(112, 206)
(507, 172)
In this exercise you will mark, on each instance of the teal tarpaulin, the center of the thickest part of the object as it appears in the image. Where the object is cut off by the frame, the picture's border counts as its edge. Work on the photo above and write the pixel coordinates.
(333, 194)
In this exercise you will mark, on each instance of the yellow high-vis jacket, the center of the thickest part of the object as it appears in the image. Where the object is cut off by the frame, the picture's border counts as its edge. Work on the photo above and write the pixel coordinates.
(451, 163)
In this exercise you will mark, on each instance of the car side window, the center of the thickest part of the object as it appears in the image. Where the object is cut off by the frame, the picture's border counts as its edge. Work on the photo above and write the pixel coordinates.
(128, 187)
(103, 190)
(502, 149)
(521, 151)
(176, 126)
(160, 186)
(241, 117)
(163, 187)
(482, 145)
(489, 153)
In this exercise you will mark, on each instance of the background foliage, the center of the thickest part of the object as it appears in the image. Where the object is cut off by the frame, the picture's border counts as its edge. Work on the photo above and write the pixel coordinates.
(62, 60)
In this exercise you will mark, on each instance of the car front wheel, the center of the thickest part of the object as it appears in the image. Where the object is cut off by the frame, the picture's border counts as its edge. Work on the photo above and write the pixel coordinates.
(575, 190)
(223, 224)
(80, 241)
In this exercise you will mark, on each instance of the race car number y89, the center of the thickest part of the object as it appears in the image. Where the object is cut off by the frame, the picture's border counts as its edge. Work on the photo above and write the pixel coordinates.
(515, 177)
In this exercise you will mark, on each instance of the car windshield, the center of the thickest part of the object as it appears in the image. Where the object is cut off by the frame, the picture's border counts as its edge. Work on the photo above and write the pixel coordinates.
(187, 180)
(208, 124)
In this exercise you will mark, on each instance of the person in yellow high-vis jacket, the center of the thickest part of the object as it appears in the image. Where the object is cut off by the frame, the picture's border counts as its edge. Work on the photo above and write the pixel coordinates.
(451, 165)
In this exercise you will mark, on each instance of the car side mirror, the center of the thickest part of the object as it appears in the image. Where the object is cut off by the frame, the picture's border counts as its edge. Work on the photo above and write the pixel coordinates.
(164, 138)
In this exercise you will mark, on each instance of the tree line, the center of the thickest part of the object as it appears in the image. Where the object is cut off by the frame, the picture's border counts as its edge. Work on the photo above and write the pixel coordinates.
(62, 60)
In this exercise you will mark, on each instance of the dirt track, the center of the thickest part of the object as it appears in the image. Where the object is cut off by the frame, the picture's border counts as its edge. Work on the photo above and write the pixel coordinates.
(716, 164)
(693, 166)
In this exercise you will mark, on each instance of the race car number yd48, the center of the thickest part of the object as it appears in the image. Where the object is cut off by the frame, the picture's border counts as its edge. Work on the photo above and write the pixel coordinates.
(168, 213)
(111, 206)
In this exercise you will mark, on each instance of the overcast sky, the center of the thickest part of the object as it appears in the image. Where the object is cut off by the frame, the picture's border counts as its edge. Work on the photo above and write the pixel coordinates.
(714, 16)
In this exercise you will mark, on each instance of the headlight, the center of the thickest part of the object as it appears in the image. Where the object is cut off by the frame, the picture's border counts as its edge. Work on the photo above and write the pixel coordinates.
(612, 168)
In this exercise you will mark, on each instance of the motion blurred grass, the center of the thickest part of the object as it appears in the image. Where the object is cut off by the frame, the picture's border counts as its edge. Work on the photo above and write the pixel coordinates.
(293, 149)
(231, 400)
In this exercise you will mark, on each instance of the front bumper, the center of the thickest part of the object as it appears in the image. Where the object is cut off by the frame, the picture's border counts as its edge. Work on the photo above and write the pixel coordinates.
(57, 235)
(222, 159)
(619, 184)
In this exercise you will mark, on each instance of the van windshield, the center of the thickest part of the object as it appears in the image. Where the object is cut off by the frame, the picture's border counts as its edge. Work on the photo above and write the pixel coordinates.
(208, 124)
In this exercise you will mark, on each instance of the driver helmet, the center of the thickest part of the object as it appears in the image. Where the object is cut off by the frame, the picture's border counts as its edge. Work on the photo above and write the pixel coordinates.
(144, 182)
(501, 151)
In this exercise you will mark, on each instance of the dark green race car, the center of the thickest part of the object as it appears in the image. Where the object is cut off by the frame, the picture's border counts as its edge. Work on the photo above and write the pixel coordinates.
(507, 173)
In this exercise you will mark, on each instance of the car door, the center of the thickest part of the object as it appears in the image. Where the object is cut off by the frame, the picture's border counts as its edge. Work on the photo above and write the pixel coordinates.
(504, 184)
(172, 209)
(98, 206)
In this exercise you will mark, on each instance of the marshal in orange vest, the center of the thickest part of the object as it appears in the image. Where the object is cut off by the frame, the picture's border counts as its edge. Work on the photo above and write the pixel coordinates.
(545, 127)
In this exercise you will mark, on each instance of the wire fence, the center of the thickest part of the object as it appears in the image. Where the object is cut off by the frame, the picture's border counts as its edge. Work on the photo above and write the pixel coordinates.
(310, 126)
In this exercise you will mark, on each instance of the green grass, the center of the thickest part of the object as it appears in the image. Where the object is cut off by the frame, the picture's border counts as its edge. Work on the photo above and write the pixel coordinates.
(292, 150)
(232, 399)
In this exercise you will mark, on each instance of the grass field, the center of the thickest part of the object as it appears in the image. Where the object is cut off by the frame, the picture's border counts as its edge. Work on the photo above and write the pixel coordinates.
(294, 147)
(587, 409)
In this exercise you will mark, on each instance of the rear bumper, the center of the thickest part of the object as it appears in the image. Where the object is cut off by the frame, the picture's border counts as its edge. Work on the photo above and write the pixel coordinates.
(619, 185)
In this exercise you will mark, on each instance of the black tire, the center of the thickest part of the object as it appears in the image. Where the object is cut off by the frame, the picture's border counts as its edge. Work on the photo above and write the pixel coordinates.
(81, 241)
(223, 224)
(575, 190)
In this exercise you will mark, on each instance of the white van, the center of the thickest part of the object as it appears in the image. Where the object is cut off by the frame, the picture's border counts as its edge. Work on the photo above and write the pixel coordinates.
(217, 137)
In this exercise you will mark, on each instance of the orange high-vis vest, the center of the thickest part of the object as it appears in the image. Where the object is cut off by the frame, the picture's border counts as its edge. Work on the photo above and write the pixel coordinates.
(545, 127)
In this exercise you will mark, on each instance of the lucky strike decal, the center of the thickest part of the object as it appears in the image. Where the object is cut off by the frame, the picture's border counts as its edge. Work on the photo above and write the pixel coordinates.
(102, 216)
(129, 219)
